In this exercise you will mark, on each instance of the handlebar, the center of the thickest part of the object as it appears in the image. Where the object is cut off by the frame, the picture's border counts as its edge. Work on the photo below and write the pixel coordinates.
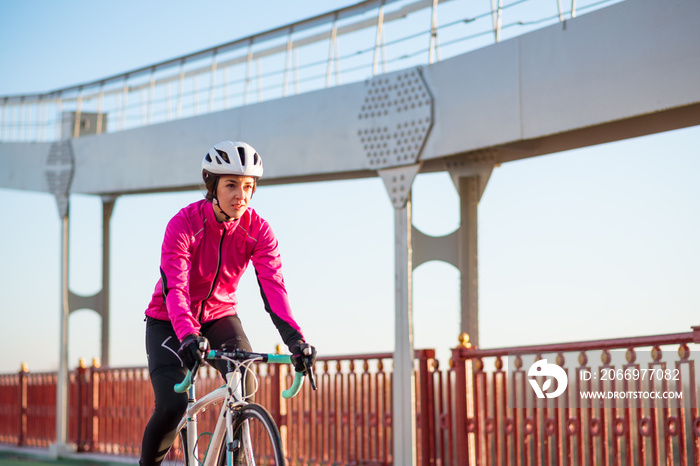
(187, 382)
(292, 391)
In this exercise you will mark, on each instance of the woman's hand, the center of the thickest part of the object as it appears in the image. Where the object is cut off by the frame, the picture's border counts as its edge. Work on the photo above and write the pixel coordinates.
(303, 355)
(193, 349)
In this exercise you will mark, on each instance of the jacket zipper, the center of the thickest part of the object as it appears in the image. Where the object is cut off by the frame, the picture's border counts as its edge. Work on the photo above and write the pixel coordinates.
(216, 276)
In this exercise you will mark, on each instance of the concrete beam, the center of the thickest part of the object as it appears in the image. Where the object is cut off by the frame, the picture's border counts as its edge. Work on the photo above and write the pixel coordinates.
(566, 86)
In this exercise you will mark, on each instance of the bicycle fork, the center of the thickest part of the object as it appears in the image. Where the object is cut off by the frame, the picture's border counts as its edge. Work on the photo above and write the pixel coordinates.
(241, 445)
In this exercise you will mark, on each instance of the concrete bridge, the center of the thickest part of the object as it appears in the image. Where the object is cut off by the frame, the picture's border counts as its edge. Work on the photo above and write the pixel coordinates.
(626, 70)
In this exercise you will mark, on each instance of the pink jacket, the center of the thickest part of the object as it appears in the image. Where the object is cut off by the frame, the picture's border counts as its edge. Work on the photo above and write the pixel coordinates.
(202, 261)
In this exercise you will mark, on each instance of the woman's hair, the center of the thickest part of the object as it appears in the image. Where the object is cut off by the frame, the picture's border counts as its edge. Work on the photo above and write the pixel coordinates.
(211, 181)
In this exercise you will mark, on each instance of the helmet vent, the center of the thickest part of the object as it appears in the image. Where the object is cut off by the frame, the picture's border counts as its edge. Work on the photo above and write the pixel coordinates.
(241, 154)
(223, 155)
(207, 158)
(256, 159)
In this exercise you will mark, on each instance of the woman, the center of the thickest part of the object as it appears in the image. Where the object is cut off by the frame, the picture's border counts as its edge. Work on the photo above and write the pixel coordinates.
(206, 249)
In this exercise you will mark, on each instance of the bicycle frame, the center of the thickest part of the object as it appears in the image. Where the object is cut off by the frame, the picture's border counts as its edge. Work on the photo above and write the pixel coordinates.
(231, 396)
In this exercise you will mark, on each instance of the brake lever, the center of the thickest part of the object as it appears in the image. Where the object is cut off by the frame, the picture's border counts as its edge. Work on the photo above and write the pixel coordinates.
(194, 371)
(310, 372)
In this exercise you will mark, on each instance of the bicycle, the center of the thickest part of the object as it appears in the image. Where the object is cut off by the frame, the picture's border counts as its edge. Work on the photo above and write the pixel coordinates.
(245, 433)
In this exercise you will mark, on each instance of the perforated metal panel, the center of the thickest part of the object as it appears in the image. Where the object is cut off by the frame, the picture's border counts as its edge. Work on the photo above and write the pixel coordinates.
(59, 172)
(398, 181)
(395, 119)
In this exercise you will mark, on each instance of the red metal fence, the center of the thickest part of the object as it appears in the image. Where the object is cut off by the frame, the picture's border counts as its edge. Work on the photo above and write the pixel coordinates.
(347, 421)
(502, 422)
(481, 410)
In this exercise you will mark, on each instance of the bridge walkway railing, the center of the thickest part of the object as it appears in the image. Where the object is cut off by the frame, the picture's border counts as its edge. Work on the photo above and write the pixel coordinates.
(347, 45)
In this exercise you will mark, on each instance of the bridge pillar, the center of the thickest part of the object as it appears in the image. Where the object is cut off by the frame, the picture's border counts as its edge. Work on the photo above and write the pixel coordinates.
(103, 308)
(59, 176)
(459, 249)
(468, 257)
(470, 181)
(398, 183)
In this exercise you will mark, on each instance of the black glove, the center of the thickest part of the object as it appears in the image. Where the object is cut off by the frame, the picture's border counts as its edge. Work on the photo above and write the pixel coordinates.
(193, 349)
(301, 351)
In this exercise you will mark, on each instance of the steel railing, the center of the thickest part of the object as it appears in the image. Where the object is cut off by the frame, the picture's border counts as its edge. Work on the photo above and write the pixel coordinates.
(353, 43)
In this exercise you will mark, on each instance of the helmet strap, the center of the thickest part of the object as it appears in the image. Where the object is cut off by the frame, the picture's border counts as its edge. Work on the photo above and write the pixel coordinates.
(215, 201)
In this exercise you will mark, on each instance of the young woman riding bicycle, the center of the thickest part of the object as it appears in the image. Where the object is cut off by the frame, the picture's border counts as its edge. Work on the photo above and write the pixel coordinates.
(206, 249)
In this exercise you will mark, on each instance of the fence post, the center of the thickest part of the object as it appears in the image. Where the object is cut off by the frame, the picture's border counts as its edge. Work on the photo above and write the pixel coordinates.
(459, 358)
(22, 388)
(81, 392)
(460, 406)
(93, 399)
(276, 393)
(427, 407)
(275, 400)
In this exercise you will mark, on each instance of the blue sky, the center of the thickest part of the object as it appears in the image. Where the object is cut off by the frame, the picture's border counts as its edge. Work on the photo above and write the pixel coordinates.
(593, 243)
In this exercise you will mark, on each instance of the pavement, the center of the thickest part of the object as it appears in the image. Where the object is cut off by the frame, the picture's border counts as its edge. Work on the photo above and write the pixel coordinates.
(28, 456)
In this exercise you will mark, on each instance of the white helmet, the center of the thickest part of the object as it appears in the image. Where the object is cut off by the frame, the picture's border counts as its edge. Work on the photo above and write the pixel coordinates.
(232, 158)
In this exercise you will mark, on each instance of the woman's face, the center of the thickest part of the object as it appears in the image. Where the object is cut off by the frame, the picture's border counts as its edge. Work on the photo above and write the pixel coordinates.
(233, 193)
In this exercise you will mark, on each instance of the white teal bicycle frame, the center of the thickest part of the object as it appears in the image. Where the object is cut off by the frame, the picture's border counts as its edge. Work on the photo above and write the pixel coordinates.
(224, 423)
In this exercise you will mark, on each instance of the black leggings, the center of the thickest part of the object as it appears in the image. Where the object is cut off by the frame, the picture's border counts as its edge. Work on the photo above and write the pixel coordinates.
(166, 369)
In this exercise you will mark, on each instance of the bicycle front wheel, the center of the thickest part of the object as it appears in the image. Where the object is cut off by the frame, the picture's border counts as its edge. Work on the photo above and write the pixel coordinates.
(256, 439)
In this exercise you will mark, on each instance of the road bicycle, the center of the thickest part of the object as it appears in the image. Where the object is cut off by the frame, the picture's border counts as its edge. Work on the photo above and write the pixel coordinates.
(245, 433)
